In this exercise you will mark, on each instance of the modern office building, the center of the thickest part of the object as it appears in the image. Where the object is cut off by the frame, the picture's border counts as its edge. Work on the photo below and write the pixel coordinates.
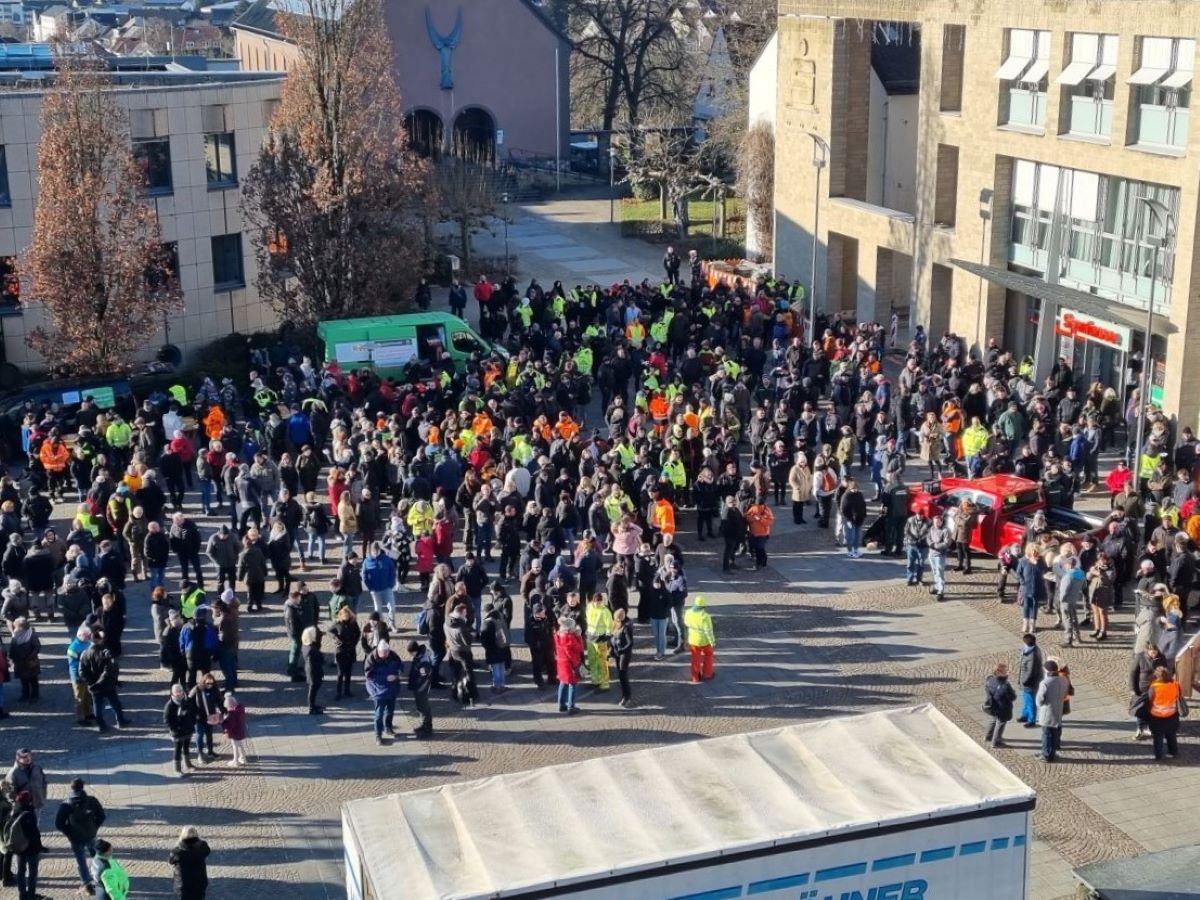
(195, 135)
(1023, 171)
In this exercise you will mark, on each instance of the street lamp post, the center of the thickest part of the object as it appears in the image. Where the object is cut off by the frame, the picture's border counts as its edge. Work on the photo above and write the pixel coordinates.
(985, 214)
(612, 184)
(1158, 210)
(507, 258)
(820, 158)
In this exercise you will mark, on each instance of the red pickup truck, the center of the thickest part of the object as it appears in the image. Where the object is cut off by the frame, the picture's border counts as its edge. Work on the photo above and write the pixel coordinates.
(1006, 504)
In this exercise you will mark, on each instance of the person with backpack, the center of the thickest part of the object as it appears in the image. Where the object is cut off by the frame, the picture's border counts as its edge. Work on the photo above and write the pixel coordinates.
(99, 672)
(382, 670)
(112, 881)
(79, 819)
(999, 697)
(199, 641)
(24, 841)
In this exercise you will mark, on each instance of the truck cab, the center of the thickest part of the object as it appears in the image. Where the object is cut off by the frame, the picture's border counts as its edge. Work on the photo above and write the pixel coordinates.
(1006, 504)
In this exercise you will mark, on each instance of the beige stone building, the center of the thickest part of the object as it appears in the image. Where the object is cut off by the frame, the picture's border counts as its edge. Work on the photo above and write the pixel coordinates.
(195, 135)
(1022, 193)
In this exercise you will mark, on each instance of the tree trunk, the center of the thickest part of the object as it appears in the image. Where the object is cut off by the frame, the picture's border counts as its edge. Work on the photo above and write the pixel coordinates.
(662, 203)
(719, 216)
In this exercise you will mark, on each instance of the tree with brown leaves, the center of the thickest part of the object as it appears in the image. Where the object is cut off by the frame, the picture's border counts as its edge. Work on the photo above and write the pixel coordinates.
(96, 262)
(756, 184)
(336, 177)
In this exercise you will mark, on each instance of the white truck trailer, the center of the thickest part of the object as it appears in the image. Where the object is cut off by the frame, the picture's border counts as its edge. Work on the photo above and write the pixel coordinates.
(894, 805)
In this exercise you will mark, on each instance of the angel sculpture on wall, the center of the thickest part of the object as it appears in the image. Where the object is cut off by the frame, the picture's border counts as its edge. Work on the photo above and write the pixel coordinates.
(445, 44)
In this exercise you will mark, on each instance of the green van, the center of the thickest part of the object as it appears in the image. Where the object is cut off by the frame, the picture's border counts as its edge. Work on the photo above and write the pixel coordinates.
(388, 343)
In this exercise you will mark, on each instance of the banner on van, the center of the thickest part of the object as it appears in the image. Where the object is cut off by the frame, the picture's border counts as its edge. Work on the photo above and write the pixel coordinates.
(389, 354)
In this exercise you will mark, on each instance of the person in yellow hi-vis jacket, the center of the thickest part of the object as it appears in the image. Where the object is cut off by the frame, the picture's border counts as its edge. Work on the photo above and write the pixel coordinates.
(599, 632)
(702, 640)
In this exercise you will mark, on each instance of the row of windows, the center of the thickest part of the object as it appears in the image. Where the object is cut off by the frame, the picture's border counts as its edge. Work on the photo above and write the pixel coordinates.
(1105, 241)
(153, 157)
(229, 273)
(1160, 85)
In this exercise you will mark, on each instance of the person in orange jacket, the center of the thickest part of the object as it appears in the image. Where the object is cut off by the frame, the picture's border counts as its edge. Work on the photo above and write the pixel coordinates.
(214, 423)
(662, 515)
(759, 520)
(55, 456)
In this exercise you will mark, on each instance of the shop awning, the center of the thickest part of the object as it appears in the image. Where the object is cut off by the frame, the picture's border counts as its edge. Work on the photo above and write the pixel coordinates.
(1066, 297)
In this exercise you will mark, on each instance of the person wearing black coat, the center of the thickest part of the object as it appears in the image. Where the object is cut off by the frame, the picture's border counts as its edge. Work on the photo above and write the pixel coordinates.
(539, 635)
(620, 648)
(189, 859)
(314, 666)
(170, 654)
(346, 635)
(733, 532)
(112, 622)
(13, 563)
(998, 700)
(39, 568)
(617, 588)
(179, 715)
(656, 603)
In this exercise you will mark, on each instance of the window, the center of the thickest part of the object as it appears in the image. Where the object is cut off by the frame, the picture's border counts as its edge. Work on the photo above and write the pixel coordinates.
(10, 283)
(953, 40)
(1161, 91)
(153, 158)
(1022, 78)
(163, 270)
(151, 149)
(1088, 84)
(465, 342)
(228, 273)
(220, 162)
(5, 196)
(1089, 232)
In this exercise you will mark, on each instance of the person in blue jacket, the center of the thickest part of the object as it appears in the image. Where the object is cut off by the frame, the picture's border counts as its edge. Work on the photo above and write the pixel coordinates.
(379, 577)
(382, 670)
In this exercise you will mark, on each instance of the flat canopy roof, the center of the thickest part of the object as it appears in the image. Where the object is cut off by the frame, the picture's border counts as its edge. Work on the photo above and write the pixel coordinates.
(837, 776)
(1068, 297)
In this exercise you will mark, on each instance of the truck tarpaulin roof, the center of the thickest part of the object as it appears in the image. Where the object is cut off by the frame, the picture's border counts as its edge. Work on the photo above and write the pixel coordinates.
(683, 802)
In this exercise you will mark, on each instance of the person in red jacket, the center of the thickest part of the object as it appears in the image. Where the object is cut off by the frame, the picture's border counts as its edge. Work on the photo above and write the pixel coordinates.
(568, 655)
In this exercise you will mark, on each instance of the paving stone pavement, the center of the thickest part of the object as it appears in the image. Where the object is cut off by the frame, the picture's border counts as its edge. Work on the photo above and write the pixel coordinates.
(789, 651)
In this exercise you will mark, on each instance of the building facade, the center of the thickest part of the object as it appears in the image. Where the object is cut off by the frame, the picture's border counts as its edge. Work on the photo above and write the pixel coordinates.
(194, 136)
(488, 74)
(1052, 167)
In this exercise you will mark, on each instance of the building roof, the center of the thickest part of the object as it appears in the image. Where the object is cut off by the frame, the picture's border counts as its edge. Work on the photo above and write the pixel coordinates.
(260, 18)
(837, 779)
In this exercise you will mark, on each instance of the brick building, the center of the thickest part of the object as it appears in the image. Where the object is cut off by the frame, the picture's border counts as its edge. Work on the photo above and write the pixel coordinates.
(1022, 192)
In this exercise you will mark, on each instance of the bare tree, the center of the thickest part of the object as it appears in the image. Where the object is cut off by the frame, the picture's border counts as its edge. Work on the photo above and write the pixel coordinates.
(468, 199)
(667, 161)
(335, 183)
(96, 261)
(756, 183)
(627, 57)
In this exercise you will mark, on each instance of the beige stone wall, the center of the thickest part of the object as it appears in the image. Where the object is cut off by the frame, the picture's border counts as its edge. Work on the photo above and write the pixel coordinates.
(190, 216)
(819, 37)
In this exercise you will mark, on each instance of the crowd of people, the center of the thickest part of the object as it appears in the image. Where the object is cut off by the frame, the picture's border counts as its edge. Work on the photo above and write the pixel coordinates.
(554, 472)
